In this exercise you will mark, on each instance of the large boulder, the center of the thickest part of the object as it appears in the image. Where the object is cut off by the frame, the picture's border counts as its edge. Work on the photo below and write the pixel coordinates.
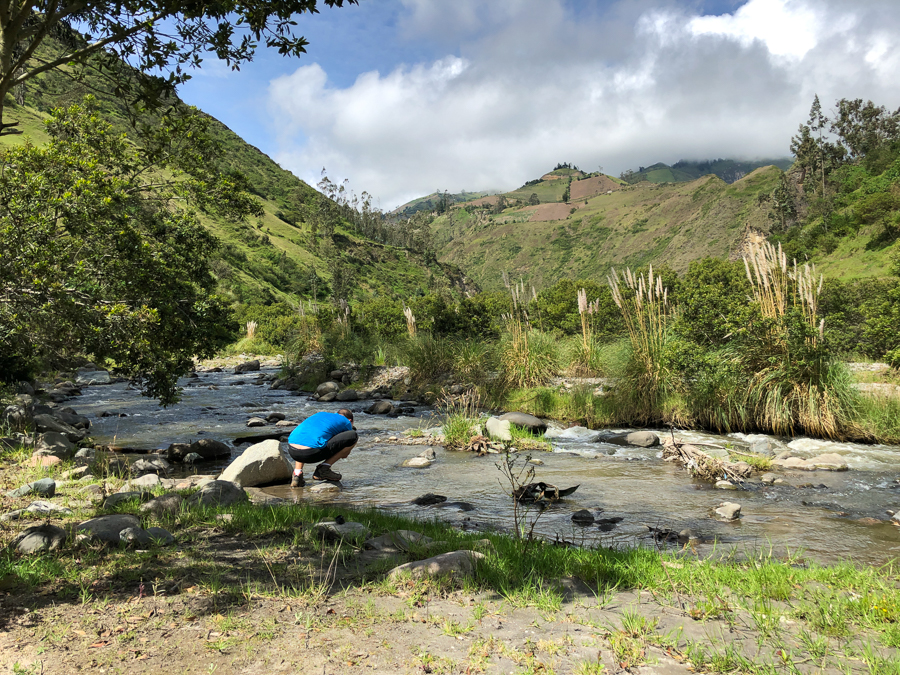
(207, 448)
(45, 487)
(219, 493)
(328, 398)
(16, 417)
(639, 439)
(259, 464)
(246, 367)
(40, 539)
(327, 388)
(108, 528)
(457, 563)
(155, 465)
(73, 419)
(533, 424)
(379, 408)
(54, 443)
(167, 504)
(347, 395)
(418, 462)
(728, 511)
(44, 423)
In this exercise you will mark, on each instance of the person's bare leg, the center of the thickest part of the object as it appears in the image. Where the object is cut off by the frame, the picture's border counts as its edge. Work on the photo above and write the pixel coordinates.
(298, 467)
(340, 455)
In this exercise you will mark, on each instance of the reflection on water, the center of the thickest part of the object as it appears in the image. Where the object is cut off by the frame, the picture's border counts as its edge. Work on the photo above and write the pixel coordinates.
(629, 482)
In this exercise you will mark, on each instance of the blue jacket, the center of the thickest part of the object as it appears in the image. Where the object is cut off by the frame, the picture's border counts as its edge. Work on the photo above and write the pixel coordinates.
(315, 431)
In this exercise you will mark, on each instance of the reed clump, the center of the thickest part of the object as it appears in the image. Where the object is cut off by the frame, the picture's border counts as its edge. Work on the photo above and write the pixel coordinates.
(528, 357)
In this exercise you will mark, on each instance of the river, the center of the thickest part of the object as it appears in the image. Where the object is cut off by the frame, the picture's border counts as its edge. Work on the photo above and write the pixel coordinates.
(822, 523)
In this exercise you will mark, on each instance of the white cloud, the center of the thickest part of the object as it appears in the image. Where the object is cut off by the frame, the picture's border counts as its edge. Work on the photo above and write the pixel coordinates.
(534, 84)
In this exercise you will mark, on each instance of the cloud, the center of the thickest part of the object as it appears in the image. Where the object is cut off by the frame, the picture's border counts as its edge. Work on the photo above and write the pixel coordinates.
(528, 83)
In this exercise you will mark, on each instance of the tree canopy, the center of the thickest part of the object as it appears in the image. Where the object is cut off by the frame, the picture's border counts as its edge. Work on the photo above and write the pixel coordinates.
(100, 252)
(162, 39)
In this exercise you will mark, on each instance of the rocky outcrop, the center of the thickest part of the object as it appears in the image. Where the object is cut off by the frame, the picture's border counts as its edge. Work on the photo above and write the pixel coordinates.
(259, 464)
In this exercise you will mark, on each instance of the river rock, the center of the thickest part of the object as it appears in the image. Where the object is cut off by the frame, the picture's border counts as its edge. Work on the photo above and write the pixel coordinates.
(85, 456)
(70, 417)
(45, 487)
(219, 493)
(16, 417)
(40, 539)
(573, 433)
(74, 474)
(725, 485)
(275, 417)
(246, 367)
(429, 499)
(498, 429)
(583, 517)
(136, 536)
(380, 408)
(93, 377)
(161, 536)
(155, 465)
(322, 487)
(728, 511)
(124, 496)
(347, 395)
(256, 422)
(400, 540)
(327, 388)
(108, 528)
(826, 462)
(332, 530)
(147, 481)
(39, 508)
(44, 461)
(533, 424)
(54, 443)
(45, 423)
(417, 462)
(168, 504)
(328, 398)
(258, 465)
(429, 454)
(768, 478)
(208, 448)
(457, 563)
(637, 439)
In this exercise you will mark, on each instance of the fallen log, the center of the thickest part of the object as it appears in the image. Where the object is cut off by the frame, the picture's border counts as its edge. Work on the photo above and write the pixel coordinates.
(702, 465)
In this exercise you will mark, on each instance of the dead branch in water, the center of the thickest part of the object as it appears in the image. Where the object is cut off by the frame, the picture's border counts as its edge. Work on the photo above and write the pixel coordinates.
(702, 465)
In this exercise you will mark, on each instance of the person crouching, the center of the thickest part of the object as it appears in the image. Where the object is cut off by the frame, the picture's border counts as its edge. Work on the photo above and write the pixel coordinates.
(324, 437)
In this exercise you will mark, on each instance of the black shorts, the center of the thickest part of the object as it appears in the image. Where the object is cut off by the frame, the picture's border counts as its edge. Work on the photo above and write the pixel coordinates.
(335, 444)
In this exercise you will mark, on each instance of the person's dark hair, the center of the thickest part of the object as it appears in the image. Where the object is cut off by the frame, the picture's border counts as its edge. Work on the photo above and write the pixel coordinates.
(346, 413)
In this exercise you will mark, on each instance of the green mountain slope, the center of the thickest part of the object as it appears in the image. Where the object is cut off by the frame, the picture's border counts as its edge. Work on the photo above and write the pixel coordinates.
(729, 170)
(276, 256)
(621, 226)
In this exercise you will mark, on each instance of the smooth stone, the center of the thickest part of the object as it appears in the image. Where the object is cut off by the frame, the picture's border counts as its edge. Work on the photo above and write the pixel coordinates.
(45, 487)
(275, 417)
(457, 563)
(728, 511)
(536, 461)
(149, 480)
(324, 486)
(526, 421)
(39, 507)
(168, 504)
(725, 485)
(417, 462)
(429, 499)
(156, 465)
(256, 422)
(45, 423)
(328, 398)
(246, 367)
(44, 461)
(126, 495)
(642, 439)
(108, 528)
(583, 517)
(192, 458)
(54, 443)
(498, 429)
(347, 395)
(286, 423)
(768, 478)
(259, 464)
(327, 388)
(161, 536)
(219, 493)
(40, 539)
(348, 530)
(780, 481)
(135, 536)
(379, 408)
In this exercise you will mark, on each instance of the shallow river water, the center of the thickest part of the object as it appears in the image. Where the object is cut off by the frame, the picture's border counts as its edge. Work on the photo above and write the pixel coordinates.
(631, 483)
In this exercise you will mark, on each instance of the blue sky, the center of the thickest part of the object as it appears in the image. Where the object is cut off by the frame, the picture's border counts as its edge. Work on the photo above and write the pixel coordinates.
(403, 97)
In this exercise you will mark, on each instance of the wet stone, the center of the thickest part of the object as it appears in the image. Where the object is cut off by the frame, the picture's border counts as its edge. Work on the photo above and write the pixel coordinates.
(728, 511)
(583, 517)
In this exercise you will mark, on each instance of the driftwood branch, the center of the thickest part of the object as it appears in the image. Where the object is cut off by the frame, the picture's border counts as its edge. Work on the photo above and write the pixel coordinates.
(702, 465)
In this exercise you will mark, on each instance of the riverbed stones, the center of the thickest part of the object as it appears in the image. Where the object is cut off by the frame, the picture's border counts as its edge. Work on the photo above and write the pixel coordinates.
(168, 504)
(256, 422)
(428, 453)
(38, 508)
(768, 478)
(429, 499)
(498, 429)
(826, 462)
(728, 511)
(124, 496)
(54, 443)
(275, 417)
(328, 398)
(347, 395)
(533, 424)
(725, 485)
(324, 487)
(417, 462)
(145, 482)
(259, 464)
(334, 531)
(457, 564)
(45, 423)
(636, 439)
(155, 465)
(219, 493)
(161, 536)
(40, 539)
(247, 367)
(207, 448)
(108, 528)
(45, 487)
(136, 537)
